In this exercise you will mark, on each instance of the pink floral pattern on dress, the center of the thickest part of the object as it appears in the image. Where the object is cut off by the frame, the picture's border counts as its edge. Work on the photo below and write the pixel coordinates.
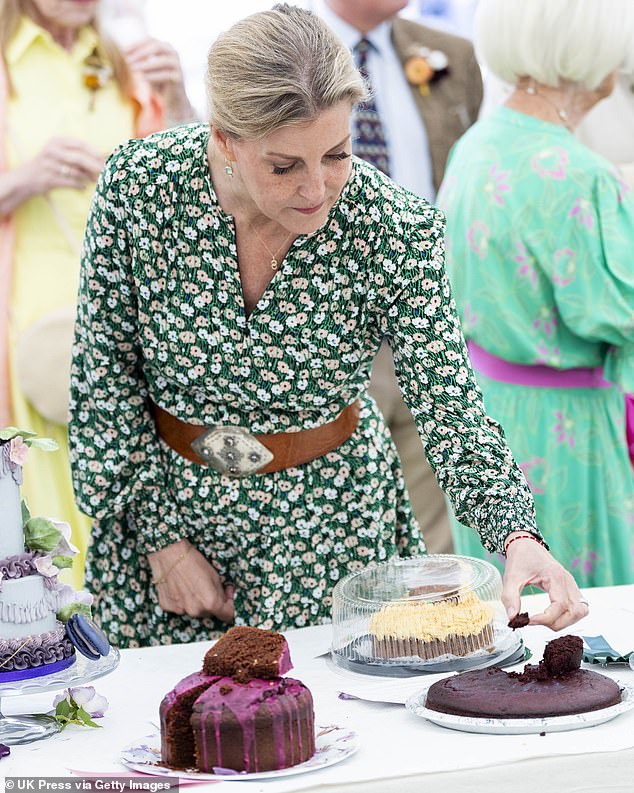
(526, 262)
(478, 237)
(551, 163)
(548, 356)
(582, 210)
(565, 261)
(535, 472)
(584, 563)
(564, 429)
(547, 320)
(497, 184)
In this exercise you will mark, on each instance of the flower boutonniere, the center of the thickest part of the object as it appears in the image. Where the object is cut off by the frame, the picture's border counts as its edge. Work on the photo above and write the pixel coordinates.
(96, 73)
(423, 66)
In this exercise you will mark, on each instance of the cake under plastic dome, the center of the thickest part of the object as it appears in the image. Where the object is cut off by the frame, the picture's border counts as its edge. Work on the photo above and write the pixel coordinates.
(409, 615)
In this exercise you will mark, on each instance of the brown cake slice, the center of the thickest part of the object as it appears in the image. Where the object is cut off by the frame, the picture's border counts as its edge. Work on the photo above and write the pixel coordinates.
(246, 653)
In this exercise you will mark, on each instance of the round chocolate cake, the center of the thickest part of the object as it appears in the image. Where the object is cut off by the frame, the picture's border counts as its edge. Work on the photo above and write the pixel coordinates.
(238, 712)
(261, 725)
(496, 694)
(555, 687)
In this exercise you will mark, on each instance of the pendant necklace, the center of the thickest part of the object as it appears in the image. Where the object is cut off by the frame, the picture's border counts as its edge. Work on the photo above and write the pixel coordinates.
(274, 264)
(274, 260)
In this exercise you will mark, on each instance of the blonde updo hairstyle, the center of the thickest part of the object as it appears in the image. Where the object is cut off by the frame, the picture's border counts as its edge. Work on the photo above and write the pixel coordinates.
(278, 68)
(555, 41)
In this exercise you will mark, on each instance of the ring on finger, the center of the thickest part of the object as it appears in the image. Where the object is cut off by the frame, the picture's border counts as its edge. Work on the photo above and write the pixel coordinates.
(66, 171)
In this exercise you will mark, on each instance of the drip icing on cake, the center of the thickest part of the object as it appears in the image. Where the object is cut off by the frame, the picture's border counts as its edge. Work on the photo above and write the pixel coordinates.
(275, 705)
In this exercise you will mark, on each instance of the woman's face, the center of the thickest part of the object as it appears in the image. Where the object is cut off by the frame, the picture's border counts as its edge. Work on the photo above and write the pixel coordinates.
(295, 174)
(70, 14)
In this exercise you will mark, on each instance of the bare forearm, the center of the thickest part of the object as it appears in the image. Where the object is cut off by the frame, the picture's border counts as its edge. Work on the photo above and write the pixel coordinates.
(16, 187)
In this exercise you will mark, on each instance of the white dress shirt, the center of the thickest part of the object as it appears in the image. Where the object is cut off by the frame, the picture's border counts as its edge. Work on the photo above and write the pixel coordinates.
(410, 162)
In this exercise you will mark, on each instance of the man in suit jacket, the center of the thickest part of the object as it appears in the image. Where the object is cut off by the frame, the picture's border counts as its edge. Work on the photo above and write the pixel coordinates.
(421, 123)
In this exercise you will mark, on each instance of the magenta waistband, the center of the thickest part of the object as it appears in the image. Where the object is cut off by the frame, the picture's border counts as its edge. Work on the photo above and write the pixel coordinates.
(538, 375)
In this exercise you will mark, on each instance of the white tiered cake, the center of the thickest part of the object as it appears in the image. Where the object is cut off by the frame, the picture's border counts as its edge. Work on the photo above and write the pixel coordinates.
(33, 641)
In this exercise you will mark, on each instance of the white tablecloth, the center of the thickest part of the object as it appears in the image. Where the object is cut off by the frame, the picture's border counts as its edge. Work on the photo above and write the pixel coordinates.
(398, 751)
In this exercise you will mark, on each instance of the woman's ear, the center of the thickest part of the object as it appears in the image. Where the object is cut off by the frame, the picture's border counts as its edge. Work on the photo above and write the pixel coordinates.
(223, 142)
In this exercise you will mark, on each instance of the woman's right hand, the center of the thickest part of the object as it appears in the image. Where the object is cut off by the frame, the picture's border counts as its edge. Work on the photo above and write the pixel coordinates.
(189, 584)
(62, 163)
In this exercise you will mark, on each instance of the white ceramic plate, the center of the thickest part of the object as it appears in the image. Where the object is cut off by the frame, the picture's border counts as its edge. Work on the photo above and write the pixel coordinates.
(333, 744)
(416, 704)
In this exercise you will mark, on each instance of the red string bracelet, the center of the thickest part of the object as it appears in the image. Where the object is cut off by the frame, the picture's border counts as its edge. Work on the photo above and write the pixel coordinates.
(525, 536)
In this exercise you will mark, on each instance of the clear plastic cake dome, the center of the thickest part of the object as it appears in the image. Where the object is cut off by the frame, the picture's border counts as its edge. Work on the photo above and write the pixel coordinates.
(431, 613)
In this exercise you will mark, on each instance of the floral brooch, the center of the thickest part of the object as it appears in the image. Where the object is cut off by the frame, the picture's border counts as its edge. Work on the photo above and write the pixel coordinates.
(96, 73)
(423, 66)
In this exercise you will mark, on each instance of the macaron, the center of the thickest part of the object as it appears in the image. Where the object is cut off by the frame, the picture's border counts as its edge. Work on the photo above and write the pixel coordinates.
(87, 636)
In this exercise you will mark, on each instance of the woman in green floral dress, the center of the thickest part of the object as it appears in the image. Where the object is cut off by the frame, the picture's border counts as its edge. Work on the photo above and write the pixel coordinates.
(540, 236)
(244, 275)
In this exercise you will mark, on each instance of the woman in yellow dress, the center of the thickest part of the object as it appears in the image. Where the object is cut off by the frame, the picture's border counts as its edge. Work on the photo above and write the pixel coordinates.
(67, 98)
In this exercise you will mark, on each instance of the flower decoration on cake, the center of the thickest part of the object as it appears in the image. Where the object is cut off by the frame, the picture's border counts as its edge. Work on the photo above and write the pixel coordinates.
(79, 705)
(423, 66)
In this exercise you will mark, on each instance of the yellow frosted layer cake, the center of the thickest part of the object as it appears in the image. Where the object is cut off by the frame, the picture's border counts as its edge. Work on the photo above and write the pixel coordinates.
(456, 626)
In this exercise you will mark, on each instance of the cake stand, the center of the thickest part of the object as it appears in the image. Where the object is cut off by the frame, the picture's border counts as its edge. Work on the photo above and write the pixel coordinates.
(29, 728)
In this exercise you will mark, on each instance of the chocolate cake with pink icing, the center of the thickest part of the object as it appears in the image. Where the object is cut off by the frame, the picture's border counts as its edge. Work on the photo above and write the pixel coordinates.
(238, 712)
(33, 603)
(259, 725)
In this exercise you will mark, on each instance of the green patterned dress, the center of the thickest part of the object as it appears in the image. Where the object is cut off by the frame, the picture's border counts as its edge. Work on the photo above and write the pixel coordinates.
(161, 314)
(540, 253)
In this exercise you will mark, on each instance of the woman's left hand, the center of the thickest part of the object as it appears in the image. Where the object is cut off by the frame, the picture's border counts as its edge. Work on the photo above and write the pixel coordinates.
(159, 63)
(528, 562)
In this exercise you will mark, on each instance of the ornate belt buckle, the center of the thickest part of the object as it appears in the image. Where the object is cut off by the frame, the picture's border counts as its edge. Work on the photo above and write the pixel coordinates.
(232, 451)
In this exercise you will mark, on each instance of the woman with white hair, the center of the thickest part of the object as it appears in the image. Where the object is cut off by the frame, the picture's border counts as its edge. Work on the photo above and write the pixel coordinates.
(540, 233)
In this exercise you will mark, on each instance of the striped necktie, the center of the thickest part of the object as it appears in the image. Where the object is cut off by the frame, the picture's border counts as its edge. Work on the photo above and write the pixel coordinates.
(368, 135)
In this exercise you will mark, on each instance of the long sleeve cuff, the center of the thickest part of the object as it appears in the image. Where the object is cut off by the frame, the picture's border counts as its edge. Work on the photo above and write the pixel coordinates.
(156, 521)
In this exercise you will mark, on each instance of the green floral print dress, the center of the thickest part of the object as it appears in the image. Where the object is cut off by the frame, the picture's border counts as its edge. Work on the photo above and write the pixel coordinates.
(540, 240)
(161, 315)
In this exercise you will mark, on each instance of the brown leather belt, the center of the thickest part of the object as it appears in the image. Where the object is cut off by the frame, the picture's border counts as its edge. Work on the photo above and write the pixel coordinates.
(235, 452)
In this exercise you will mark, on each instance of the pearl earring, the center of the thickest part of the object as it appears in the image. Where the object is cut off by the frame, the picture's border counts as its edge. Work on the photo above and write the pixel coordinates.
(228, 168)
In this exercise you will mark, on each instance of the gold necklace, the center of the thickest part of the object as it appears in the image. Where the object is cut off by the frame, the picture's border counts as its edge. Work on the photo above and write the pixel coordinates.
(274, 260)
